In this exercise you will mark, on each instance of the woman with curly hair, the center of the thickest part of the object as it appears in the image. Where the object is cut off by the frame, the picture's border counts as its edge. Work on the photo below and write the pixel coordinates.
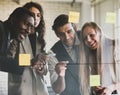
(39, 70)
(39, 25)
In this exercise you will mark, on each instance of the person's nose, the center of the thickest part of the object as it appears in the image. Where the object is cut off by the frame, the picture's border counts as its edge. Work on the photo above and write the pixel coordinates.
(88, 38)
(28, 30)
(35, 18)
(66, 36)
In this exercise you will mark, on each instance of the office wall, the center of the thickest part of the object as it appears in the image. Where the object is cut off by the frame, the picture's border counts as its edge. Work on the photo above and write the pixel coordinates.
(100, 10)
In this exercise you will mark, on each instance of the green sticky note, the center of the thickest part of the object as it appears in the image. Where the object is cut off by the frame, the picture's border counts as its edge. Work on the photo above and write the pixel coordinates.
(110, 17)
(24, 59)
(94, 80)
(74, 17)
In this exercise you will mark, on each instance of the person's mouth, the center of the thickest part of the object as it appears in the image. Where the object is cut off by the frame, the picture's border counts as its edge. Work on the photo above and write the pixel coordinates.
(23, 36)
(93, 45)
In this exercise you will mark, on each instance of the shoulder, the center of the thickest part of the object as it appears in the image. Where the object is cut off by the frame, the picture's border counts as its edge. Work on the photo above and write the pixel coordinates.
(2, 28)
(108, 42)
(78, 32)
(1, 25)
(58, 43)
(1, 31)
(57, 46)
(1, 22)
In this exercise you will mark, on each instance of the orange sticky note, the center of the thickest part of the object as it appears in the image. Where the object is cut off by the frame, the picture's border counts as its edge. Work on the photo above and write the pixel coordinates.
(94, 80)
(24, 59)
(74, 17)
(110, 17)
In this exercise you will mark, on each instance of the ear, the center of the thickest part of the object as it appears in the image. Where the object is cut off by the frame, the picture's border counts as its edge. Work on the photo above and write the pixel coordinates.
(74, 26)
(55, 31)
(57, 35)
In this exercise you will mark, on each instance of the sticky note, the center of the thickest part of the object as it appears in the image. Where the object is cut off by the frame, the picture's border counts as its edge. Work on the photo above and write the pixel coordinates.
(110, 17)
(24, 59)
(94, 80)
(74, 17)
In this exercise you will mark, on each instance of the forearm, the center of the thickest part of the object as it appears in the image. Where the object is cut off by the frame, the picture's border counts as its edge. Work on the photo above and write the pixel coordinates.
(10, 65)
(117, 86)
(45, 69)
(12, 48)
(113, 87)
(59, 85)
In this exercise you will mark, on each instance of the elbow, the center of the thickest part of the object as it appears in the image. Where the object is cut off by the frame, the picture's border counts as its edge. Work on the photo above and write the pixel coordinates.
(58, 90)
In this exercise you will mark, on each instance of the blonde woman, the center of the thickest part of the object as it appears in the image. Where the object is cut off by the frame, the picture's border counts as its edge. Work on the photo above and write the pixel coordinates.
(100, 56)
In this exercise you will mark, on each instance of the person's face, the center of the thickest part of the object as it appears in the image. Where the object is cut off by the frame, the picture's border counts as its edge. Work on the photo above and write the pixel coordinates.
(66, 34)
(91, 37)
(37, 15)
(25, 26)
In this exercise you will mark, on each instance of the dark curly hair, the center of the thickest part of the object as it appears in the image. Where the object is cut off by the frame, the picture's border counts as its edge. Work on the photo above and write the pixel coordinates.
(41, 27)
(15, 18)
(60, 21)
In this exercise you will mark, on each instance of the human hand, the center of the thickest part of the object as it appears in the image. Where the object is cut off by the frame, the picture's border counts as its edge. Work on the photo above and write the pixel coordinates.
(98, 90)
(39, 64)
(102, 90)
(107, 91)
(61, 67)
(21, 36)
(12, 48)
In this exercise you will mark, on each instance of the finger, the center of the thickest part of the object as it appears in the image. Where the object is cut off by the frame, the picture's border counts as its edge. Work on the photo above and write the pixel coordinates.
(65, 62)
(40, 68)
(42, 56)
(61, 64)
(43, 61)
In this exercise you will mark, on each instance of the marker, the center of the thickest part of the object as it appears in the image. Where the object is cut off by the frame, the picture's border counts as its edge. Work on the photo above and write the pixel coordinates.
(66, 62)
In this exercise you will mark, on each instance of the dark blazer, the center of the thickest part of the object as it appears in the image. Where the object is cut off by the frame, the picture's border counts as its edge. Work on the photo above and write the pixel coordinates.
(71, 76)
(7, 64)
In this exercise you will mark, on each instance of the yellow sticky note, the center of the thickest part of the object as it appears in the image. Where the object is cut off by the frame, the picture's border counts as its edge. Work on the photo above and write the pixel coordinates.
(94, 80)
(74, 17)
(110, 17)
(24, 59)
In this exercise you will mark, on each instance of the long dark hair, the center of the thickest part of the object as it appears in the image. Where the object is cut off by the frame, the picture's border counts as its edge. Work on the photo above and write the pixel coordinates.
(41, 27)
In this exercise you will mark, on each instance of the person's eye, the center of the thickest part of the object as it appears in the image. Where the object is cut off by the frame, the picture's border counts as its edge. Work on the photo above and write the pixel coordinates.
(92, 35)
(69, 31)
(61, 34)
(26, 23)
(38, 15)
